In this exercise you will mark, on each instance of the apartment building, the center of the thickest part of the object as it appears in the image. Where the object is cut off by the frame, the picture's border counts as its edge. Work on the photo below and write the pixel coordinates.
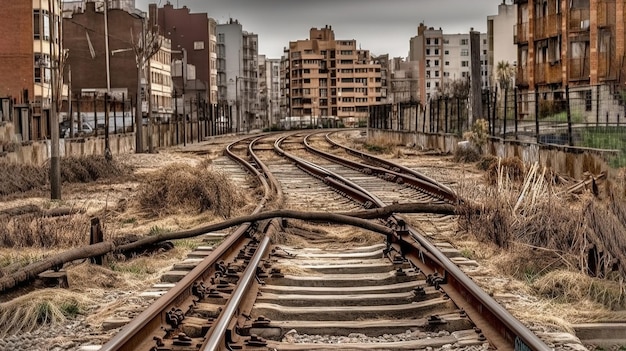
(83, 37)
(30, 48)
(500, 31)
(329, 77)
(442, 58)
(269, 91)
(237, 73)
(194, 33)
(577, 43)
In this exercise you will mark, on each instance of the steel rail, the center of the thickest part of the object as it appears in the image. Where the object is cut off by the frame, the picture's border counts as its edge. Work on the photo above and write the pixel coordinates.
(387, 164)
(430, 187)
(142, 327)
(216, 335)
(514, 332)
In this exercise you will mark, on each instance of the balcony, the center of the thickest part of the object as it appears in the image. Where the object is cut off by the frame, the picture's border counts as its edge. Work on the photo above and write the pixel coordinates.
(578, 20)
(548, 73)
(606, 13)
(548, 26)
(520, 33)
(579, 69)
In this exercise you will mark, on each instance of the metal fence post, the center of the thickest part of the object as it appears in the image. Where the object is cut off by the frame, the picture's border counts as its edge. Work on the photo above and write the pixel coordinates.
(537, 115)
(569, 117)
(515, 110)
(506, 101)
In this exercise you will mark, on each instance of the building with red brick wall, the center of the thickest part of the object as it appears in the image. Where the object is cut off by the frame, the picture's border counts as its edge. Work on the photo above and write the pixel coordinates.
(83, 37)
(29, 48)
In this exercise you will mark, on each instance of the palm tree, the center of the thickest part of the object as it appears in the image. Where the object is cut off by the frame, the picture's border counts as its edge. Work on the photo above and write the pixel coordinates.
(504, 74)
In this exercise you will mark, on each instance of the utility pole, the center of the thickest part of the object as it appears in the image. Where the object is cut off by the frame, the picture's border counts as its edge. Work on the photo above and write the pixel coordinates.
(55, 162)
(140, 56)
(107, 148)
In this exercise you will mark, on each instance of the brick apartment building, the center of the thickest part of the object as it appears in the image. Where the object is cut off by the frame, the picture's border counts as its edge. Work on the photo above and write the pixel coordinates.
(196, 33)
(575, 42)
(29, 49)
(328, 77)
(83, 36)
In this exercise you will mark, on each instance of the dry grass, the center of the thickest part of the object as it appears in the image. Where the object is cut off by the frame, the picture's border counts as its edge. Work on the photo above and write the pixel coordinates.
(466, 155)
(19, 178)
(181, 188)
(44, 232)
(49, 306)
(572, 287)
(544, 230)
(92, 168)
(510, 168)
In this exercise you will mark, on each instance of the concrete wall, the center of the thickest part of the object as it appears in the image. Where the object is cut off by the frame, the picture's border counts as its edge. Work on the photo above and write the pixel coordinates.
(38, 152)
(570, 161)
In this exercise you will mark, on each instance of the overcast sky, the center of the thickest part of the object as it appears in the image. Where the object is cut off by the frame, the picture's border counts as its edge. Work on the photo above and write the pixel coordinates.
(379, 26)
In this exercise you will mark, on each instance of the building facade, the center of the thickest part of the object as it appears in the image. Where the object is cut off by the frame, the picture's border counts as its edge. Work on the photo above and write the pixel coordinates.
(83, 37)
(30, 52)
(269, 91)
(576, 43)
(500, 31)
(237, 73)
(191, 32)
(442, 58)
(330, 78)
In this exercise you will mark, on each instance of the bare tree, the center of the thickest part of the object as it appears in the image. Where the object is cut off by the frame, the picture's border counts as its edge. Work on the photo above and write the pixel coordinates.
(145, 45)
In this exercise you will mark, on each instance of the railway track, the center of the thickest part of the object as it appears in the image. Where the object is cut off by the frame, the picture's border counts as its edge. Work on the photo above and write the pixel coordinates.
(321, 285)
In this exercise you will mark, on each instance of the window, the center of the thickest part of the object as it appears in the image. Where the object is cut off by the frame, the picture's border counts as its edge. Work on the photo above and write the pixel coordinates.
(36, 24)
(464, 63)
(198, 45)
(446, 52)
(428, 41)
(436, 41)
(436, 73)
(436, 51)
(427, 84)
(464, 41)
(436, 63)
(464, 52)
(427, 63)
(447, 63)
(427, 51)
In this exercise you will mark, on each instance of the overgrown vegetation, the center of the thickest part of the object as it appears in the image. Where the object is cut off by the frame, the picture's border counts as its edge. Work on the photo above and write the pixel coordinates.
(18, 178)
(34, 230)
(476, 138)
(556, 231)
(49, 306)
(607, 138)
(379, 146)
(181, 188)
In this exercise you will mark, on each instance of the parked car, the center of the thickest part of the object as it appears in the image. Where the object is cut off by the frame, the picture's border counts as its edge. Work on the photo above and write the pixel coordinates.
(64, 129)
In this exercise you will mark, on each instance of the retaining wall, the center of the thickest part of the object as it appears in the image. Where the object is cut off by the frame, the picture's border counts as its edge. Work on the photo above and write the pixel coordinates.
(570, 161)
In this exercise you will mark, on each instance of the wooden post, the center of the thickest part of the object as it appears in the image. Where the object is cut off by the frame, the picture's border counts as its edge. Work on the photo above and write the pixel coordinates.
(96, 237)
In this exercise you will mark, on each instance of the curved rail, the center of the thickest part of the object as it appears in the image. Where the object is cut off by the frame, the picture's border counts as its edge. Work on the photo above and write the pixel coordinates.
(511, 329)
(428, 186)
(145, 324)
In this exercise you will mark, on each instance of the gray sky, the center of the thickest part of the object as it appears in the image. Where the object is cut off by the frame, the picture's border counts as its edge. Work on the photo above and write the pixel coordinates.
(379, 26)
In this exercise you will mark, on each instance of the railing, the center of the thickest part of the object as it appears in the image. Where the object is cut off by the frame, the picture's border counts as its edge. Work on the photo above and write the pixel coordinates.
(520, 33)
(579, 20)
(579, 68)
(547, 26)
